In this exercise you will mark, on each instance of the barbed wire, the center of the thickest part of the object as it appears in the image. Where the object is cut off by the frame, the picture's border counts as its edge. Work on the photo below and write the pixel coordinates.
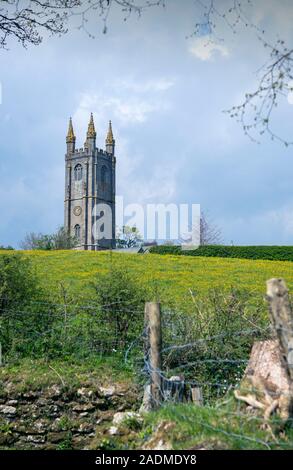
(80, 330)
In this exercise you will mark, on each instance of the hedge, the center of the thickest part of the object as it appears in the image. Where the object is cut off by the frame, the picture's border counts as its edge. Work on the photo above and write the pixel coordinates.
(276, 253)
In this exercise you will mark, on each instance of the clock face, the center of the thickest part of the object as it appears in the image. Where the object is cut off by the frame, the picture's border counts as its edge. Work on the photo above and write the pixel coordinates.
(77, 210)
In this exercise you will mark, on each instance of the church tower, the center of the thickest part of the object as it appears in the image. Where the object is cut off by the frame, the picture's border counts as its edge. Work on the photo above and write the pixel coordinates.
(89, 206)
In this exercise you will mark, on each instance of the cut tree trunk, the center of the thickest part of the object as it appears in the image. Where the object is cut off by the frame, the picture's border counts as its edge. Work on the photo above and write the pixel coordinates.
(266, 366)
(266, 383)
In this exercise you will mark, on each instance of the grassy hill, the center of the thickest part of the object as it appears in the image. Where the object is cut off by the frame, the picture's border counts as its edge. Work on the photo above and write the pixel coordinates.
(168, 275)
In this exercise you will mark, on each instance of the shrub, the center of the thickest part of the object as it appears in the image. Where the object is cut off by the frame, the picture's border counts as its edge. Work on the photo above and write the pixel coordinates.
(212, 343)
(276, 253)
(22, 319)
(17, 281)
(121, 304)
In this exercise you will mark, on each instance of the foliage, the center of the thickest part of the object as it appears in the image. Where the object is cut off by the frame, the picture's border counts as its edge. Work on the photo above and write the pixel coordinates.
(36, 241)
(128, 237)
(276, 253)
(121, 301)
(17, 281)
(61, 240)
(22, 319)
(211, 343)
(6, 247)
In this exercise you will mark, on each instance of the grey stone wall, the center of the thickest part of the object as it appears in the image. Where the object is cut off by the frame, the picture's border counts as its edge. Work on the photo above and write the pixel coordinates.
(58, 417)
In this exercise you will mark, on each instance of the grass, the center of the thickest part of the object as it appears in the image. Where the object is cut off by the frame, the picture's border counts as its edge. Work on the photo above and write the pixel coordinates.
(34, 374)
(168, 277)
(220, 427)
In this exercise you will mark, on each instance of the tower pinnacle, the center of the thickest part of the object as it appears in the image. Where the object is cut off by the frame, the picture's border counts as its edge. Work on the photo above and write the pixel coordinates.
(91, 132)
(110, 141)
(70, 138)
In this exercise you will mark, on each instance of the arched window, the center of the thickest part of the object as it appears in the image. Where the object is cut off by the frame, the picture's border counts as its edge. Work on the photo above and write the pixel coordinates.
(77, 232)
(78, 172)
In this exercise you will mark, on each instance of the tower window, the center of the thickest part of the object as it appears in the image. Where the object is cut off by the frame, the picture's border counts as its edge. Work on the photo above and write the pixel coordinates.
(78, 172)
(77, 232)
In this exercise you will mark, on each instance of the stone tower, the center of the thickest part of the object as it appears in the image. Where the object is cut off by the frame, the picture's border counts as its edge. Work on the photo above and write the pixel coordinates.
(89, 206)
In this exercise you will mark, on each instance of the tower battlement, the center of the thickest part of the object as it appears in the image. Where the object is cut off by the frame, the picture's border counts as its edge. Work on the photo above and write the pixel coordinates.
(83, 151)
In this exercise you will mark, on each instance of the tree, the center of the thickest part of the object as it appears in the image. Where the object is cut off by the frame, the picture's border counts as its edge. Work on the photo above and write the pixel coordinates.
(27, 21)
(36, 241)
(274, 77)
(128, 237)
(210, 234)
(60, 240)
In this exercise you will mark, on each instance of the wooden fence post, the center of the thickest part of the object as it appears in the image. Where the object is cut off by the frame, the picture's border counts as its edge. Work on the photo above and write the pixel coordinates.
(146, 335)
(153, 314)
(196, 396)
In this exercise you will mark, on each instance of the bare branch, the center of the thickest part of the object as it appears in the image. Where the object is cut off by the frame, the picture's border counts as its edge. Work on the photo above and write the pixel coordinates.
(275, 77)
(27, 21)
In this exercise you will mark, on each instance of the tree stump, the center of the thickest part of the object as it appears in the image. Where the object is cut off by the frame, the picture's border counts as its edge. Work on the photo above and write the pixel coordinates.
(266, 384)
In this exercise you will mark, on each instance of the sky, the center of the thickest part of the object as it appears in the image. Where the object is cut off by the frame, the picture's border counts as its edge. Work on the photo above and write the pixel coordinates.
(165, 92)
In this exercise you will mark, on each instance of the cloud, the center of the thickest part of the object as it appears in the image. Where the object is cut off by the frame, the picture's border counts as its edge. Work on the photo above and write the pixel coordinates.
(205, 50)
(261, 228)
(128, 110)
(24, 212)
(153, 85)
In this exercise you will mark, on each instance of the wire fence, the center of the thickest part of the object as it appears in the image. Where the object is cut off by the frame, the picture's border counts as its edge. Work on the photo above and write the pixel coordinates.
(199, 363)
(247, 398)
(50, 330)
(204, 354)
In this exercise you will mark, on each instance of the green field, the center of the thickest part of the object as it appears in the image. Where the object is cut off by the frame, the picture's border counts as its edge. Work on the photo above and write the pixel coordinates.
(169, 277)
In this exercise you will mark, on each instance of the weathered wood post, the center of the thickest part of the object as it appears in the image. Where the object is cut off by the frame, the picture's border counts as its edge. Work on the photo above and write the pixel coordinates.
(147, 404)
(197, 396)
(146, 333)
(153, 314)
(282, 321)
